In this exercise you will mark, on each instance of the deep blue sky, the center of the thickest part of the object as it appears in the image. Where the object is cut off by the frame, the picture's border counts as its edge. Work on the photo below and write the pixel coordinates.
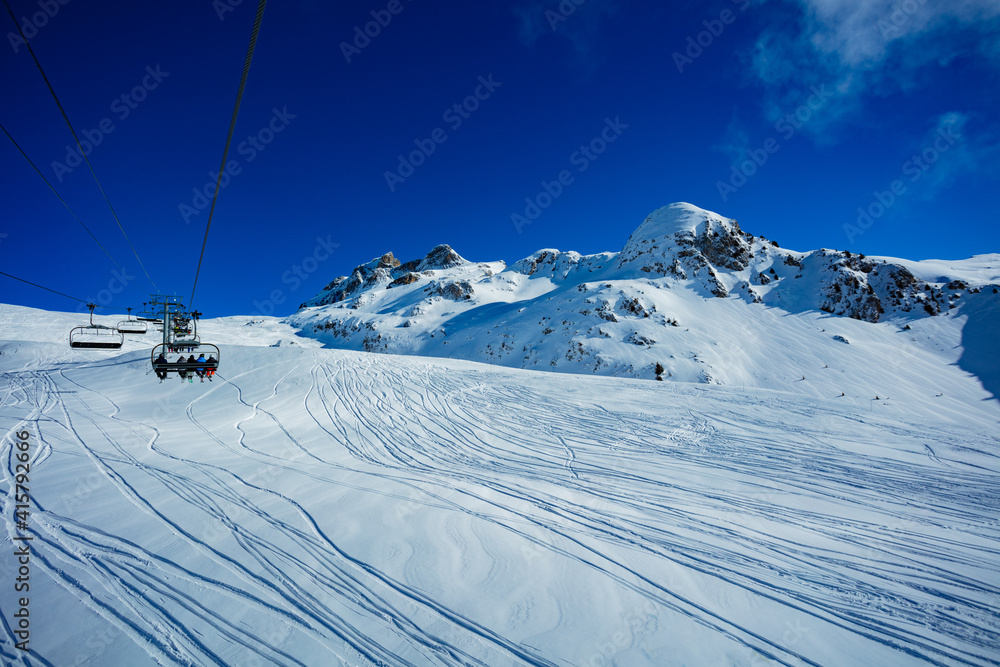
(890, 86)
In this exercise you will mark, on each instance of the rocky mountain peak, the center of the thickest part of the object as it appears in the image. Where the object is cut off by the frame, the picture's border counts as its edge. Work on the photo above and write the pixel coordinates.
(386, 261)
(386, 272)
(685, 241)
(440, 257)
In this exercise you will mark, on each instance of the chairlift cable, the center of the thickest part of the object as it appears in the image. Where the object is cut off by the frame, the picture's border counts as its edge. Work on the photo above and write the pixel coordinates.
(77, 139)
(41, 287)
(229, 139)
(59, 197)
(3, 273)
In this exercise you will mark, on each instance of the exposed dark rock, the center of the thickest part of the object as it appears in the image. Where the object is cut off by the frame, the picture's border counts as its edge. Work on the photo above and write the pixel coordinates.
(405, 279)
(456, 291)
(724, 246)
(441, 257)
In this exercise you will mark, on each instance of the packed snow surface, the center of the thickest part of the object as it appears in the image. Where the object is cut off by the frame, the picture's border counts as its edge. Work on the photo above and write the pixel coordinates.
(331, 507)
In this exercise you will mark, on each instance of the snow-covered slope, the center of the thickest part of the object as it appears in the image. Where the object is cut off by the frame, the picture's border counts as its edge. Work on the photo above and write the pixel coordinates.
(328, 507)
(694, 293)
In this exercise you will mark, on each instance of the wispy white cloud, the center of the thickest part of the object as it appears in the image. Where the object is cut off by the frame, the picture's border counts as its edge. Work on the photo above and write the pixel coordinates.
(861, 33)
(868, 47)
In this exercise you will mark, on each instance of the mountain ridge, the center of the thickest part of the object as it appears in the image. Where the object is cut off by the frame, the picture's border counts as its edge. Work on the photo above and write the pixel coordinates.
(618, 313)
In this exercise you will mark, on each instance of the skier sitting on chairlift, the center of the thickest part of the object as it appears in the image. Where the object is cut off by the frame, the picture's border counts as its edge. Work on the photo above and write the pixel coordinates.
(210, 369)
(161, 372)
(201, 369)
(181, 372)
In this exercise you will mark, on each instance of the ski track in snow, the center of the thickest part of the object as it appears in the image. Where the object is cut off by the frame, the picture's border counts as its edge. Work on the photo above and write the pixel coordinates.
(729, 515)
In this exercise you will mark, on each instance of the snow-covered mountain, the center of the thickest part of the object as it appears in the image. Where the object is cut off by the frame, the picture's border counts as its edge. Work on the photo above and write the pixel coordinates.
(691, 295)
(314, 506)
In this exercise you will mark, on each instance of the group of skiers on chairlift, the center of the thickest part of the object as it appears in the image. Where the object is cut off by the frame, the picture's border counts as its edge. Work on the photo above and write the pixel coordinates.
(181, 324)
(207, 371)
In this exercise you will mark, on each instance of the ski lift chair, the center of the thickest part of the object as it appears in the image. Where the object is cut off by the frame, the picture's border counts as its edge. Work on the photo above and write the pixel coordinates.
(131, 326)
(95, 336)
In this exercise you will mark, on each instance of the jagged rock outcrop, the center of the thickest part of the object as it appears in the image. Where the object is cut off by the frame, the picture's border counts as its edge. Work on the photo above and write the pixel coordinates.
(386, 272)
(455, 290)
(685, 241)
(364, 276)
(440, 257)
(558, 265)
(407, 278)
(865, 289)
